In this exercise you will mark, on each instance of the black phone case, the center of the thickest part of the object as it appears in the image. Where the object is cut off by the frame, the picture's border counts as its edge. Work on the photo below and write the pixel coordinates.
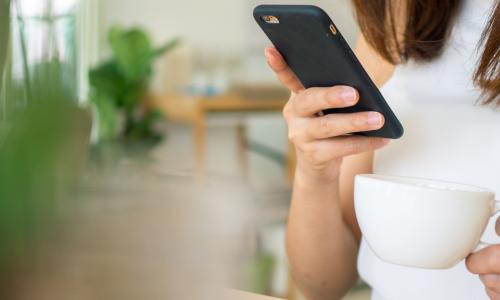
(321, 58)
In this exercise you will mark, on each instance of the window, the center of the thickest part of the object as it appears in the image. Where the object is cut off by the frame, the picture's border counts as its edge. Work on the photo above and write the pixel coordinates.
(49, 39)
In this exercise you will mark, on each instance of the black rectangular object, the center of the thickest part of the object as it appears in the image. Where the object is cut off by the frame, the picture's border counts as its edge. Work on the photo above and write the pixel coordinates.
(321, 58)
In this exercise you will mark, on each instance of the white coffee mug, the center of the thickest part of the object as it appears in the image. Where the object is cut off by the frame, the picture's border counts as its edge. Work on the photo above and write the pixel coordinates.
(419, 222)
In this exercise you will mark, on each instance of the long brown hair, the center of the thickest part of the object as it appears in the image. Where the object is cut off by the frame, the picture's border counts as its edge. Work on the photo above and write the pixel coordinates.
(418, 30)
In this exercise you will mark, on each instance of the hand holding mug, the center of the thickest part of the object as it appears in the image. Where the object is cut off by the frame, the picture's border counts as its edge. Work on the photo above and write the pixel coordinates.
(486, 264)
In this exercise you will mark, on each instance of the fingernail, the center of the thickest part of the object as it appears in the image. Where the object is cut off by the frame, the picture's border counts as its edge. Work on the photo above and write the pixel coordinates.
(267, 52)
(374, 119)
(270, 51)
(348, 94)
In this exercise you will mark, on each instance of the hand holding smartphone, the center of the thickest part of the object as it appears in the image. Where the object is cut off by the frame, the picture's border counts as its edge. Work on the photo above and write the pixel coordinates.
(316, 52)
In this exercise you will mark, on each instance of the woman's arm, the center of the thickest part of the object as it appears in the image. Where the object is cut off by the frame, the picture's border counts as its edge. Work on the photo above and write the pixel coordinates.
(322, 234)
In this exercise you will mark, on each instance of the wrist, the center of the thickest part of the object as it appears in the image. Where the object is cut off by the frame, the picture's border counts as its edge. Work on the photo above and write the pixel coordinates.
(313, 189)
(309, 177)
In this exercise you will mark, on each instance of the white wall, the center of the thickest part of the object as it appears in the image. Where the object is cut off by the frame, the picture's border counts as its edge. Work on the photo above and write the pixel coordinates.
(216, 25)
(211, 30)
(210, 24)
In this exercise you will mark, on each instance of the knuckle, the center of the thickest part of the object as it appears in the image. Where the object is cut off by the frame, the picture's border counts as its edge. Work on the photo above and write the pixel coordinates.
(293, 136)
(295, 131)
(287, 110)
(307, 93)
(303, 100)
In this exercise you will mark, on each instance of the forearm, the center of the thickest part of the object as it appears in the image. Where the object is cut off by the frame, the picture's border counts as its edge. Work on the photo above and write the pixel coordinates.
(321, 248)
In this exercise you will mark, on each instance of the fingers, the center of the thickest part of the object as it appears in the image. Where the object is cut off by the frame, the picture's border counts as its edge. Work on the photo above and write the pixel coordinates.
(491, 282)
(497, 226)
(311, 101)
(284, 73)
(323, 140)
(322, 151)
(486, 261)
(492, 294)
(309, 129)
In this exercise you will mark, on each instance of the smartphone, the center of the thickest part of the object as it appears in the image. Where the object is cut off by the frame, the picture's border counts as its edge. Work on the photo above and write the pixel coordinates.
(319, 56)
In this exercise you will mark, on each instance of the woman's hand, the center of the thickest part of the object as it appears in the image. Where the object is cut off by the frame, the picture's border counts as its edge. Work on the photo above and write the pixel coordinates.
(486, 264)
(322, 141)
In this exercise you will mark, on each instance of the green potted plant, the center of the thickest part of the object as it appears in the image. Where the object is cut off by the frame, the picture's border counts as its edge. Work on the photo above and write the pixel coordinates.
(119, 86)
(41, 150)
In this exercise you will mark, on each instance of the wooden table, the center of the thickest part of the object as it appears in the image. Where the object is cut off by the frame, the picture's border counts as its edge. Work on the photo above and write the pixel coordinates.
(238, 295)
(194, 110)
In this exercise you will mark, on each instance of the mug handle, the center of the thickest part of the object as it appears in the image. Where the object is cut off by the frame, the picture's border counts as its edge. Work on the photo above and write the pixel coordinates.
(483, 244)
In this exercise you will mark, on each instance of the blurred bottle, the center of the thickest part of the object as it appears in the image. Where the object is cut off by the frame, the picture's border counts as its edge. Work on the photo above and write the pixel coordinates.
(211, 75)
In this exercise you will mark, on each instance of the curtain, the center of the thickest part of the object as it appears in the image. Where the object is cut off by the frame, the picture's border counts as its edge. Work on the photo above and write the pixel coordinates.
(88, 40)
(4, 39)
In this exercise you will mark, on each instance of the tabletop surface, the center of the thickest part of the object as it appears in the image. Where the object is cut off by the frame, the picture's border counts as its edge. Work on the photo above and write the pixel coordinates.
(239, 295)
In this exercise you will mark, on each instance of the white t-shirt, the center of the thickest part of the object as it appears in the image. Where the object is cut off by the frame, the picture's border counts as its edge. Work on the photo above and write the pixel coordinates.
(448, 136)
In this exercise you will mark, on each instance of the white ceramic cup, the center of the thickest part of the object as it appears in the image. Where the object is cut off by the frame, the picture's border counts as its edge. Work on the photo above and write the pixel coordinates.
(422, 223)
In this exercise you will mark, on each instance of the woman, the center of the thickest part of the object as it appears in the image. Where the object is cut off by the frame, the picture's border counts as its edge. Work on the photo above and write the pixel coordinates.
(444, 91)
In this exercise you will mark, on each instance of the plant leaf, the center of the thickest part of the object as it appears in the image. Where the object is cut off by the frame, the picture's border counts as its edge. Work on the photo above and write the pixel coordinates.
(132, 50)
(143, 128)
(37, 158)
(167, 47)
(107, 115)
(107, 79)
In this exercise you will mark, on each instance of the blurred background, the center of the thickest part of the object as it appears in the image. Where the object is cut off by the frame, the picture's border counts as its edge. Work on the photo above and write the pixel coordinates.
(142, 150)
